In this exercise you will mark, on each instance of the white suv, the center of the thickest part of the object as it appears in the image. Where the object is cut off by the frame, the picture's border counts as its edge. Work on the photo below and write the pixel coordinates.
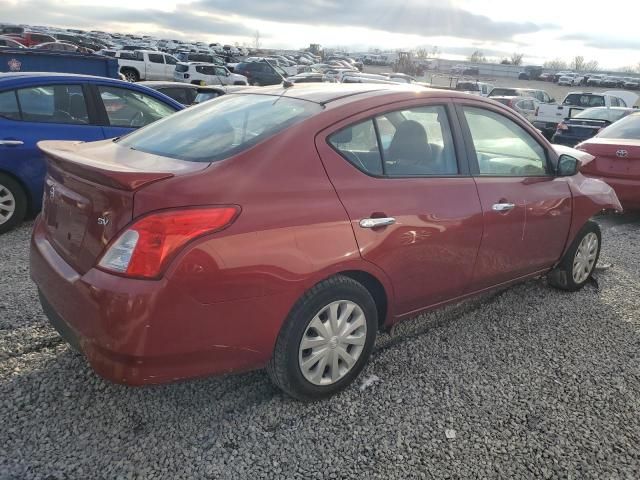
(201, 73)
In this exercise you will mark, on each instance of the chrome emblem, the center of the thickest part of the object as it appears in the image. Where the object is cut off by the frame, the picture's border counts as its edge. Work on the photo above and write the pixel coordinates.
(622, 153)
(52, 191)
(104, 221)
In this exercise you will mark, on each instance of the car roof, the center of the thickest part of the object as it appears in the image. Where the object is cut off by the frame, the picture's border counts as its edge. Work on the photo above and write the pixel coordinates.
(160, 83)
(324, 93)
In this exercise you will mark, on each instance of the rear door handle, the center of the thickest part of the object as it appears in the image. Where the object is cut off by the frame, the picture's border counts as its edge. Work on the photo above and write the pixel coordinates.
(502, 207)
(11, 143)
(377, 222)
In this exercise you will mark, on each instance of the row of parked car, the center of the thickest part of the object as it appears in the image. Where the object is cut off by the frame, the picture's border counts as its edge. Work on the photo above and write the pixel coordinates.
(571, 79)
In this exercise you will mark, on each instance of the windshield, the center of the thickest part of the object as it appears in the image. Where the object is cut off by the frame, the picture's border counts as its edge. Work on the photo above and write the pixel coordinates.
(602, 114)
(219, 129)
(627, 128)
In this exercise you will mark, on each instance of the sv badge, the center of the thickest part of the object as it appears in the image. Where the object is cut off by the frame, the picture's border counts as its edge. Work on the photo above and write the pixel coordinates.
(104, 221)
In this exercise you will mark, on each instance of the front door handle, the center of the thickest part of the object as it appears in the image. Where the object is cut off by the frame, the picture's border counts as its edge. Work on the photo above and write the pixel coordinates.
(377, 222)
(11, 143)
(502, 207)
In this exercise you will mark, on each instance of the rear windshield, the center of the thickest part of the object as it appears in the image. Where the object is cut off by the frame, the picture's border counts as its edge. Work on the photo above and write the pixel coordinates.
(221, 128)
(504, 92)
(467, 86)
(584, 100)
(627, 128)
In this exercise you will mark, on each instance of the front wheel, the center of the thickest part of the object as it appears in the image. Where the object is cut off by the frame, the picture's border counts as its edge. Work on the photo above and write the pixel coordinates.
(579, 262)
(326, 340)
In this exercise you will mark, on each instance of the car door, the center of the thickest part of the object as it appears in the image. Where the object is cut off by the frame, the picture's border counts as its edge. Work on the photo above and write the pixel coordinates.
(403, 179)
(156, 67)
(122, 110)
(526, 208)
(41, 112)
(169, 67)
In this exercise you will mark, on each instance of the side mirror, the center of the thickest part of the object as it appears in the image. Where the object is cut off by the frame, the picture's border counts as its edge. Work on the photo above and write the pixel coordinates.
(568, 166)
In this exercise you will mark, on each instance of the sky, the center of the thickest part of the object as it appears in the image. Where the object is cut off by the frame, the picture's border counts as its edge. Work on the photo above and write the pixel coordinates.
(541, 30)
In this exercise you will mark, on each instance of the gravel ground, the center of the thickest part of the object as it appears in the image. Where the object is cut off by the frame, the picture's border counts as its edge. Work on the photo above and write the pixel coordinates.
(526, 383)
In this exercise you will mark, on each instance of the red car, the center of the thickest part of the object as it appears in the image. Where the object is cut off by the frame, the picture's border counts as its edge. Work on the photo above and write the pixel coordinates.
(31, 39)
(617, 159)
(282, 228)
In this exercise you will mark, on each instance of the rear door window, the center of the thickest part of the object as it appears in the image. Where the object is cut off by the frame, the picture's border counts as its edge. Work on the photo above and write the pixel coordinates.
(53, 104)
(156, 58)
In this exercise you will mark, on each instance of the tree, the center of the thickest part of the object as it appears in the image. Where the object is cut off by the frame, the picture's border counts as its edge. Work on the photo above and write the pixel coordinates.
(477, 57)
(435, 51)
(577, 63)
(505, 61)
(591, 66)
(256, 40)
(555, 64)
(421, 52)
(516, 58)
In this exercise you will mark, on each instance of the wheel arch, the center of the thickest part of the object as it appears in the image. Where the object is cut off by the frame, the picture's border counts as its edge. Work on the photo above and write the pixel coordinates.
(27, 191)
(377, 290)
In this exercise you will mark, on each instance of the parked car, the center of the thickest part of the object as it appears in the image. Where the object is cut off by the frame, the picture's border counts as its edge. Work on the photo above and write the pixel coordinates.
(61, 47)
(308, 77)
(31, 39)
(587, 123)
(206, 74)
(530, 72)
(612, 81)
(571, 79)
(9, 42)
(187, 266)
(261, 73)
(632, 84)
(617, 159)
(146, 65)
(549, 116)
(200, 57)
(540, 95)
(186, 93)
(474, 88)
(36, 107)
(595, 80)
(525, 106)
(546, 77)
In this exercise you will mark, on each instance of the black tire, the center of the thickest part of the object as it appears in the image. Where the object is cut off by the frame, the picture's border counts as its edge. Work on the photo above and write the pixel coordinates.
(19, 202)
(562, 276)
(130, 75)
(284, 368)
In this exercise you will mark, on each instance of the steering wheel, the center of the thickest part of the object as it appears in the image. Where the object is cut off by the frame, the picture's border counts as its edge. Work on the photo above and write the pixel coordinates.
(137, 120)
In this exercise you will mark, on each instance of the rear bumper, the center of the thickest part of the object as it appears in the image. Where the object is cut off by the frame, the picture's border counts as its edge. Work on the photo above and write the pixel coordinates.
(628, 191)
(142, 332)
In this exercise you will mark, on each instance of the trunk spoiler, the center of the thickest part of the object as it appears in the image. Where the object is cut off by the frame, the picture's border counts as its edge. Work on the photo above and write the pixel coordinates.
(105, 163)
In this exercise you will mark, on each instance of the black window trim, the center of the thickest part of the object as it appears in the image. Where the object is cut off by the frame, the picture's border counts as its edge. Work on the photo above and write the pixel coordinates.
(459, 146)
(471, 151)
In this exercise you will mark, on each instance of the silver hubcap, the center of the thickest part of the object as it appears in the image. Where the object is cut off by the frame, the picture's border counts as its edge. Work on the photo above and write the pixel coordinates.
(7, 204)
(585, 258)
(332, 342)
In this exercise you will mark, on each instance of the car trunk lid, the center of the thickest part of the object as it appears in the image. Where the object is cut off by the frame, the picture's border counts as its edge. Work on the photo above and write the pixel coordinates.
(89, 193)
(614, 158)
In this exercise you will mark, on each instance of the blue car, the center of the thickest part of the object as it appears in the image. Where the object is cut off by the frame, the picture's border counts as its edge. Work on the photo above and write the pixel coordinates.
(587, 123)
(49, 106)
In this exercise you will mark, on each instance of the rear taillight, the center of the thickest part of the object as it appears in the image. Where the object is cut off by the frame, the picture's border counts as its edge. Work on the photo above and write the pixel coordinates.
(146, 247)
(537, 110)
(186, 75)
(562, 126)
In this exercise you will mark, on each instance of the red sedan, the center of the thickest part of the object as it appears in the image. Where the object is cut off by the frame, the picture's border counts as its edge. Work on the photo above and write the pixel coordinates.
(617, 159)
(282, 228)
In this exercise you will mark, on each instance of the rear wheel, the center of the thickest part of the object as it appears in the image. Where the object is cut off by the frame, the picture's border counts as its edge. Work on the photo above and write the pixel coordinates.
(326, 340)
(13, 203)
(579, 262)
(130, 75)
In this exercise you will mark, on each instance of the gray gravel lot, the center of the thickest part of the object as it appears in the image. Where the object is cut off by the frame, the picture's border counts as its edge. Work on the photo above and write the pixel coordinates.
(526, 383)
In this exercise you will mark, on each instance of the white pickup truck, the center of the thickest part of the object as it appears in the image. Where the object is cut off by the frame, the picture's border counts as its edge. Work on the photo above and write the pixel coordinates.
(146, 65)
(547, 116)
